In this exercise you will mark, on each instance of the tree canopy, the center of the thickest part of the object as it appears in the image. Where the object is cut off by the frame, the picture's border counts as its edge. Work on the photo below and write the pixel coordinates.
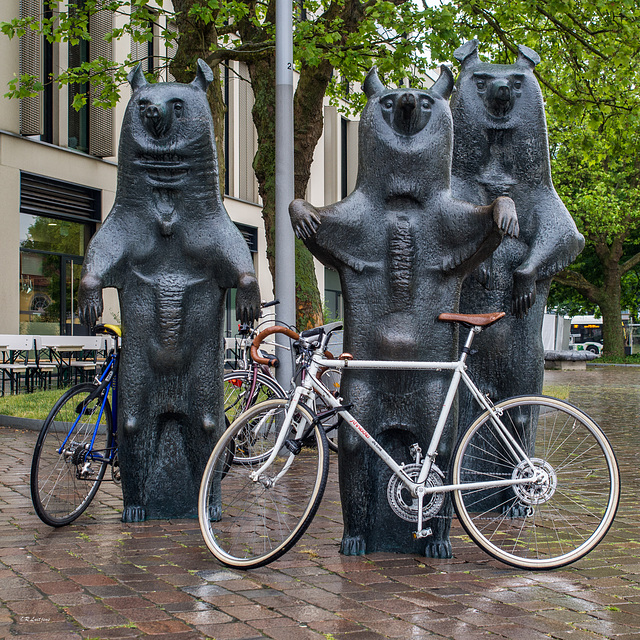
(590, 76)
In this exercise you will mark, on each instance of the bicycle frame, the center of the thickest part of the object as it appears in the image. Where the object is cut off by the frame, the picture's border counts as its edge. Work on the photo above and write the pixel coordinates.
(107, 381)
(311, 385)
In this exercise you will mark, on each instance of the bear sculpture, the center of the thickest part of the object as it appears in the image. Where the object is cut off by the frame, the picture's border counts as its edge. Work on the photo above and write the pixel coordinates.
(402, 246)
(170, 249)
(501, 149)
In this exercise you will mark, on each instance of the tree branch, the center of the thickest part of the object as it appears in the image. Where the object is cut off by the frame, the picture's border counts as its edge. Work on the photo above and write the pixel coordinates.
(625, 267)
(579, 283)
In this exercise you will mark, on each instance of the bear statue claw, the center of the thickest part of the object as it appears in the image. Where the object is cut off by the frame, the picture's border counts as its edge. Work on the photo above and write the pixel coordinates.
(248, 299)
(215, 512)
(524, 292)
(439, 549)
(89, 306)
(305, 219)
(134, 514)
(352, 546)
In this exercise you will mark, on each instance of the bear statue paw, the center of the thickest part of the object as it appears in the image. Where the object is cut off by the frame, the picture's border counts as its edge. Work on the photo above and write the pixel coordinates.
(516, 511)
(134, 514)
(352, 546)
(438, 549)
(215, 512)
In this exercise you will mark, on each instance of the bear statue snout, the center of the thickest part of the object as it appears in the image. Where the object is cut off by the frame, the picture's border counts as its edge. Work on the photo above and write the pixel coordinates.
(156, 119)
(407, 105)
(500, 98)
(408, 116)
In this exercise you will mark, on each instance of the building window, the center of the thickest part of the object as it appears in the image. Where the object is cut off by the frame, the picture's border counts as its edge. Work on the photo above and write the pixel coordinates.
(250, 234)
(91, 128)
(344, 137)
(78, 119)
(57, 220)
(333, 295)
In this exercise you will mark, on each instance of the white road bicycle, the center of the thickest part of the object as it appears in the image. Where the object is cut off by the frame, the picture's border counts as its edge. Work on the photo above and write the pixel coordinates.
(535, 482)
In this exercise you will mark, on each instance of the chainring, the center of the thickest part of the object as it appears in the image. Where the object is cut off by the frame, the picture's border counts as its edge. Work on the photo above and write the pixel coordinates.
(404, 504)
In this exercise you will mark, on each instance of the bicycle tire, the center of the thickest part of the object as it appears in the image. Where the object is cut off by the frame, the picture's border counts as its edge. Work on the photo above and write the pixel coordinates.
(237, 386)
(548, 524)
(247, 524)
(58, 493)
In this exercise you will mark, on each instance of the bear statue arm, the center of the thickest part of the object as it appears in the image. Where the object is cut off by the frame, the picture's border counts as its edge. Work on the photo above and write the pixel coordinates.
(472, 233)
(233, 268)
(556, 243)
(324, 230)
(102, 267)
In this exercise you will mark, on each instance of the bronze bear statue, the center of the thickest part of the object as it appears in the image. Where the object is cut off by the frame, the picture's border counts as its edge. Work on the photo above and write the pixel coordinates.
(501, 149)
(402, 245)
(170, 249)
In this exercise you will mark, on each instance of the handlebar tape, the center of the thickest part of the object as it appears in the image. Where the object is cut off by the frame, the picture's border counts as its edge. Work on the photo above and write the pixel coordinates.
(271, 361)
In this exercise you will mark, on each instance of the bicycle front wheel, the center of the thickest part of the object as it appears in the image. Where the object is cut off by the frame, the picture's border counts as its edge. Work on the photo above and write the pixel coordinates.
(66, 471)
(551, 522)
(249, 522)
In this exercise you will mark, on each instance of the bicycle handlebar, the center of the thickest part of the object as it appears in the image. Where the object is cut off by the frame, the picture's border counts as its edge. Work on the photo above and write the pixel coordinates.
(271, 361)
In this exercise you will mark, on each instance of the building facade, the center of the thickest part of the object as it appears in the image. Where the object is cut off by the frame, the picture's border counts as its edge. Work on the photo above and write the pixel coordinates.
(58, 176)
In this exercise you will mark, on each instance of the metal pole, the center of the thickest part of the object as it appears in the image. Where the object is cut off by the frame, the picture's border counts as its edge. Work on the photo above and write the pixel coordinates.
(285, 284)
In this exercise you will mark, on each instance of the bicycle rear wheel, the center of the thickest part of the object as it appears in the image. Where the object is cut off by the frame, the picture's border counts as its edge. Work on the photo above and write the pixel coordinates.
(65, 476)
(247, 523)
(549, 523)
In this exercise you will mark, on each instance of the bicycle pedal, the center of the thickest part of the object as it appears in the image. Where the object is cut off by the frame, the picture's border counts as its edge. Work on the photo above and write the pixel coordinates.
(423, 533)
(295, 446)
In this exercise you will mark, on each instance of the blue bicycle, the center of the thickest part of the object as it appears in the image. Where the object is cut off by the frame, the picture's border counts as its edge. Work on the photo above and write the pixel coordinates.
(76, 445)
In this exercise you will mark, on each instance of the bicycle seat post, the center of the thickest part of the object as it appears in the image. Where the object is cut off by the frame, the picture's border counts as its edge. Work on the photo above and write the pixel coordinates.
(466, 350)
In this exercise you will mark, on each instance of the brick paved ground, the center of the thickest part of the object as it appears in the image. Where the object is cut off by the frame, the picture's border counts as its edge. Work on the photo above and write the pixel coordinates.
(99, 578)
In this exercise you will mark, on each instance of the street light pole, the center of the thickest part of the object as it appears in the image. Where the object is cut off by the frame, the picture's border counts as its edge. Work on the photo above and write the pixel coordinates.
(285, 278)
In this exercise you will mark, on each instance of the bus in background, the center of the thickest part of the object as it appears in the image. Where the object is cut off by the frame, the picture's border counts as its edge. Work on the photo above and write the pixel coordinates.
(586, 334)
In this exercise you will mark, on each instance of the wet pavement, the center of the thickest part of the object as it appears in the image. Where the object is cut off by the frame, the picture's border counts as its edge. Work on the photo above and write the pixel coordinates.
(100, 578)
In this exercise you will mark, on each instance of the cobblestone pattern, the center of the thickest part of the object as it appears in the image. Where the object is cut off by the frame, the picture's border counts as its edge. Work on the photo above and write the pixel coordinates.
(99, 578)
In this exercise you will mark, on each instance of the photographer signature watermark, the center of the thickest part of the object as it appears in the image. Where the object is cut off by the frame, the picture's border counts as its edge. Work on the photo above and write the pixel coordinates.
(33, 619)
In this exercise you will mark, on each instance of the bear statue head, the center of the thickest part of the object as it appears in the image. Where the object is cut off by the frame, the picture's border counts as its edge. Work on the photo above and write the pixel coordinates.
(405, 137)
(167, 134)
(497, 92)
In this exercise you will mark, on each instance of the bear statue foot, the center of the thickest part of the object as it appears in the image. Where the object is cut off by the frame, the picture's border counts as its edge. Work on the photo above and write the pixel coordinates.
(352, 546)
(215, 512)
(134, 514)
(516, 511)
(438, 549)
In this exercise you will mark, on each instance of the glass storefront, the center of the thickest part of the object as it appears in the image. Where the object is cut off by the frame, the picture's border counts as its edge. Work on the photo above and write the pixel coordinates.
(51, 255)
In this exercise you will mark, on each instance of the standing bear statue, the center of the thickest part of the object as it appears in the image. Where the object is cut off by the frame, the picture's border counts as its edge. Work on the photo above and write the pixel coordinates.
(402, 245)
(501, 149)
(170, 249)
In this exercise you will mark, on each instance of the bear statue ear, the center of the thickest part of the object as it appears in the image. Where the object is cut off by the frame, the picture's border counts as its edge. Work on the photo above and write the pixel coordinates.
(467, 53)
(204, 75)
(527, 56)
(372, 83)
(136, 77)
(444, 84)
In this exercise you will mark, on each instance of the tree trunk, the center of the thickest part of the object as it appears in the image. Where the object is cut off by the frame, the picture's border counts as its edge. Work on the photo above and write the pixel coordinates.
(263, 82)
(612, 329)
(608, 297)
(610, 303)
